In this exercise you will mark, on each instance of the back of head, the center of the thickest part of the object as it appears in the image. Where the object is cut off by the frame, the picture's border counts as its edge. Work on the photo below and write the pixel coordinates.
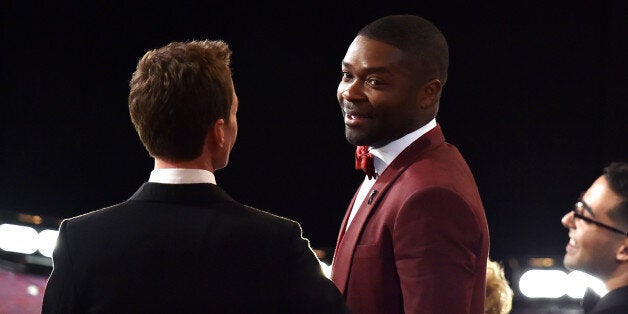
(617, 176)
(498, 292)
(416, 36)
(176, 93)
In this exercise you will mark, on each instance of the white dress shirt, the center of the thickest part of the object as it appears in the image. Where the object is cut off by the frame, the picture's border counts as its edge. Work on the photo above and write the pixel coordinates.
(181, 176)
(382, 157)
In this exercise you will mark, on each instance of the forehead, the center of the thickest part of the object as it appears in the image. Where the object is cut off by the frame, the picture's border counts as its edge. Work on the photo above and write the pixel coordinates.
(369, 54)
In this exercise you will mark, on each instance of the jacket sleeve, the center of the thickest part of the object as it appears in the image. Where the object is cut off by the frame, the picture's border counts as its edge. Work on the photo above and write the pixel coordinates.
(437, 241)
(59, 296)
(308, 289)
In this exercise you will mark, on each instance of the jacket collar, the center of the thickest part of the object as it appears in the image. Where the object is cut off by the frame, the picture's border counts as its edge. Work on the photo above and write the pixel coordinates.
(189, 194)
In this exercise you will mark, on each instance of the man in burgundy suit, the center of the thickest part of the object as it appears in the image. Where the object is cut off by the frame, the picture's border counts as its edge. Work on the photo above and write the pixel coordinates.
(415, 237)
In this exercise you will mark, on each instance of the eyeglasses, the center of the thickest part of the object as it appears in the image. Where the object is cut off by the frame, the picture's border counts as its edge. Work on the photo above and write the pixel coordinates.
(580, 205)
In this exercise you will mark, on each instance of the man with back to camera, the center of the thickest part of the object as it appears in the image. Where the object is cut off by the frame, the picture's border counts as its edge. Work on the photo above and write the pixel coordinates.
(598, 238)
(414, 238)
(181, 244)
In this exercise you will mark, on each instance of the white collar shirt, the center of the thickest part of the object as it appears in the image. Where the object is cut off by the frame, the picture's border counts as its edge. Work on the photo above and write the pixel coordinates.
(382, 157)
(181, 176)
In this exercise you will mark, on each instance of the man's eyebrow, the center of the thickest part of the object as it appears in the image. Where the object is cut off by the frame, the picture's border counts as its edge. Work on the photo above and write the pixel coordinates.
(369, 70)
(586, 206)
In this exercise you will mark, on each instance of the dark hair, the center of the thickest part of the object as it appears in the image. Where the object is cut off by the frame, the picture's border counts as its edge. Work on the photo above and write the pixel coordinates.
(414, 35)
(617, 176)
(176, 93)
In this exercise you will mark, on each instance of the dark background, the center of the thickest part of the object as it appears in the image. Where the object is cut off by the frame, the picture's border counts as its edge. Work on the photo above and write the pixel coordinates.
(536, 102)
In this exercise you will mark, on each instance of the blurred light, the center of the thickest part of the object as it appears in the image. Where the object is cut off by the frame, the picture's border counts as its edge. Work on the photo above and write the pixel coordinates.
(541, 262)
(26, 240)
(19, 239)
(32, 290)
(33, 219)
(543, 283)
(46, 242)
(577, 283)
(553, 283)
(326, 269)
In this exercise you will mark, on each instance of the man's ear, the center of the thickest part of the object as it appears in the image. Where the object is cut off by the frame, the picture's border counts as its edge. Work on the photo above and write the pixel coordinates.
(216, 133)
(429, 93)
(622, 252)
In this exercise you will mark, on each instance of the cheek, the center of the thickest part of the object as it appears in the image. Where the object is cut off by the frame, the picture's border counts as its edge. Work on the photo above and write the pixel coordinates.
(385, 114)
(591, 242)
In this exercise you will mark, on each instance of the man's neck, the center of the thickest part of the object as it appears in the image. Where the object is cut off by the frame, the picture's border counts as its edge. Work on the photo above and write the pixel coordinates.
(618, 280)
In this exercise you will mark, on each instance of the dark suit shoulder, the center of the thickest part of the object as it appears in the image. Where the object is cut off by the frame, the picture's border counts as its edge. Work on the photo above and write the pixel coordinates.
(614, 302)
(175, 211)
(218, 255)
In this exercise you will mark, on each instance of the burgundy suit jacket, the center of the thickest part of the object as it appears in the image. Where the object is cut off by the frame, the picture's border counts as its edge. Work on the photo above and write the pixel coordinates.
(419, 242)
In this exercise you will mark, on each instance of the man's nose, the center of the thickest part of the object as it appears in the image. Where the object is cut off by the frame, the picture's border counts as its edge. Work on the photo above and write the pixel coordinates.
(567, 220)
(351, 91)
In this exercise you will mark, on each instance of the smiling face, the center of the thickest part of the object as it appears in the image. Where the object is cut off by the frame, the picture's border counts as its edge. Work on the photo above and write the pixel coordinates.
(382, 93)
(591, 248)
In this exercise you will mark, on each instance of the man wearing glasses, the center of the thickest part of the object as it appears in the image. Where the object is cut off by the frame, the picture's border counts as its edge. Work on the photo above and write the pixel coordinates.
(598, 237)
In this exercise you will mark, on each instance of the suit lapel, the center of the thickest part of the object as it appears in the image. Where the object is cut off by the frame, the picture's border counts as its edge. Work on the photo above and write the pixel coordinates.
(345, 247)
(345, 220)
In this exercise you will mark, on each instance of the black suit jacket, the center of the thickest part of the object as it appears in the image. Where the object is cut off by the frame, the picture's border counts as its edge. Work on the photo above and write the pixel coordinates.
(614, 302)
(185, 248)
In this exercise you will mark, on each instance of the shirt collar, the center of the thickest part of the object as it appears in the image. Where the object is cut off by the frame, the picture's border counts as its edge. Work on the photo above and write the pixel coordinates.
(386, 154)
(181, 176)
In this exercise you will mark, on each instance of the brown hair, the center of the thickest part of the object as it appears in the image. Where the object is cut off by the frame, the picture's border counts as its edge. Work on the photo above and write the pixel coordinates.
(176, 93)
(617, 176)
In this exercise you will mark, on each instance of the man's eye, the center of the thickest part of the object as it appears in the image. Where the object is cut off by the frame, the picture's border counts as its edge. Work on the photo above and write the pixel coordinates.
(584, 218)
(346, 76)
(374, 82)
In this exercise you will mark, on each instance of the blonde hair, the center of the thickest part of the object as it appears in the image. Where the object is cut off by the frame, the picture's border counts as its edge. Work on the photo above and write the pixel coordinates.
(498, 292)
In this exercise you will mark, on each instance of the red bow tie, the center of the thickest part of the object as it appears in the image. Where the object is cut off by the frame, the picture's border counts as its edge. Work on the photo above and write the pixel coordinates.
(364, 161)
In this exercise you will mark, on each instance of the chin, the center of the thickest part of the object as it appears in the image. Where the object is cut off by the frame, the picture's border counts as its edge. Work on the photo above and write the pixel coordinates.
(569, 263)
(356, 138)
